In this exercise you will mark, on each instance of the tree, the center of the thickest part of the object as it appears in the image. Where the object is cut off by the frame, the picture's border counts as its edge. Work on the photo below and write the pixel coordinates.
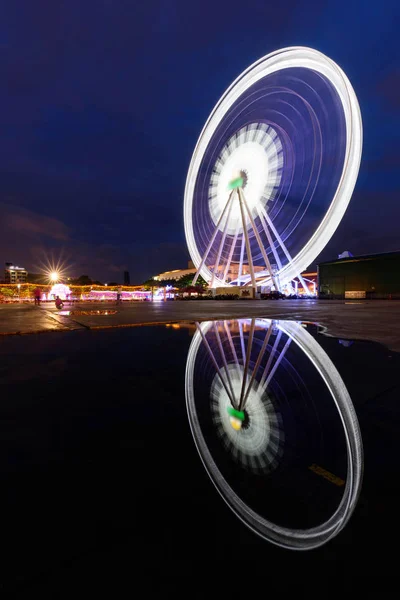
(187, 281)
(200, 289)
(151, 284)
(82, 280)
(7, 291)
(167, 282)
(189, 289)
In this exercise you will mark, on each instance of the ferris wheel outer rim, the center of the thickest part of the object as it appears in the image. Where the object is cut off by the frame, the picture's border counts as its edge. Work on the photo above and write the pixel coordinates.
(293, 538)
(351, 164)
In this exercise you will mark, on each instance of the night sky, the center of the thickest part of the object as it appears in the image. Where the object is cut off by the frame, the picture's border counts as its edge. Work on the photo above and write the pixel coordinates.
(103, 102)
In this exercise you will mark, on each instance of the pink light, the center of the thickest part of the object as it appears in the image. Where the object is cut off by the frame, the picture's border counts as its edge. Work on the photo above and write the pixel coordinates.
(111, 295)
(61, 290)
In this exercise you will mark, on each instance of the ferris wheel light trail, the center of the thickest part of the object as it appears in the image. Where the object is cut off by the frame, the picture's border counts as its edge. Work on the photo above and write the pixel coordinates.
(257, 365)
(212, 239)
(246, 365)
(270, 359)
(198, 326)
(224, 363)
(241, 195)
(241, 260)
(276, 234)
(277, 363)
(273, 171)
(215, 270)
(255, 437)
(269, 238)
(241, 340)
(247, 243)
(228, 263)
(232, 346)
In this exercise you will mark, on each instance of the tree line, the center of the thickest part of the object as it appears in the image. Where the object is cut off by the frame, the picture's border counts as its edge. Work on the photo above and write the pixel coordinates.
(184, 284)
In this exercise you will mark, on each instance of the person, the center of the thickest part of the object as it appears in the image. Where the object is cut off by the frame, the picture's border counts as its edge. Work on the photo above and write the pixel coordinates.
(59, 302)
(119, 292)
(37, 293)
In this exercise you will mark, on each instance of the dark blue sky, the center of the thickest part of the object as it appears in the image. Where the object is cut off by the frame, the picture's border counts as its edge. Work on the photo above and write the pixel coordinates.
(103, 102)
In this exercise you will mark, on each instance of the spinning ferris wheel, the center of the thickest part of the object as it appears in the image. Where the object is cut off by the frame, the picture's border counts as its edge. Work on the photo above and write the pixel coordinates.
(273, 171)
(266, 407)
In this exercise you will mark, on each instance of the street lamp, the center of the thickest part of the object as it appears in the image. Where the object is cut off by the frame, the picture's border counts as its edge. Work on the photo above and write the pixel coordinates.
(54, 276)
(19, 288)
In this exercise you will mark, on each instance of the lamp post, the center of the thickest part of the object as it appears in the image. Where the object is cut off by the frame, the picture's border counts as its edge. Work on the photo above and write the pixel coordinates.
(19, 288)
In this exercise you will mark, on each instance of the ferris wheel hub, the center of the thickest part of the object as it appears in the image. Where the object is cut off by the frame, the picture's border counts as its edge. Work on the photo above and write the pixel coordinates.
(248, 160)
(244, 175)
(235, 183)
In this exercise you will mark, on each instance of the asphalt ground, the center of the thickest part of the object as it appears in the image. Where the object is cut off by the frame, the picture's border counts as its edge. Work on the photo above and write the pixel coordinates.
(375, 320)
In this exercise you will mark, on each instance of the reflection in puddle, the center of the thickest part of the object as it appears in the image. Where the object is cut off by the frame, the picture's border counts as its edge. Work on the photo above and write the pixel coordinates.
(68, 313)
(275, 428)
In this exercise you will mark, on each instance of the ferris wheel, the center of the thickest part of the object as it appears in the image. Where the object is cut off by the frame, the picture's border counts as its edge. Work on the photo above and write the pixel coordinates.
(270, 416)
(273, 171)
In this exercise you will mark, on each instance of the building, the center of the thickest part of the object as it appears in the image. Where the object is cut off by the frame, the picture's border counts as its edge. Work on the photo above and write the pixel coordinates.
(232, 274)
(127, 278)
(369, 276)
(177, 273)
(14, 274)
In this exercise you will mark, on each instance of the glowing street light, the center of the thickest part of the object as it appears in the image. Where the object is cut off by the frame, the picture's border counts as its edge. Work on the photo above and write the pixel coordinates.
(54, 270)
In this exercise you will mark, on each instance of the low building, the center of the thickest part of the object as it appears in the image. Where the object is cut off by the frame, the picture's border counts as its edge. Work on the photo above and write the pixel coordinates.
(14, 274)
(176, 274)
(369, 276)
(231, 275)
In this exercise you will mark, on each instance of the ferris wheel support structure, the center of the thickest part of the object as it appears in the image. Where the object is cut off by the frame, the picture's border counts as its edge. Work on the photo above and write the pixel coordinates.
(227, 210)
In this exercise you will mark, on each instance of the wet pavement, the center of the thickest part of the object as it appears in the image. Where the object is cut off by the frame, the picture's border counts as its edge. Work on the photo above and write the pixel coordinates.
(124, 468)
(371, 320)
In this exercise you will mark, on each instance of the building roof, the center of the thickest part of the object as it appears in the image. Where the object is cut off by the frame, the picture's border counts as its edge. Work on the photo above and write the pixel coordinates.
(361, 257)
(14, 268)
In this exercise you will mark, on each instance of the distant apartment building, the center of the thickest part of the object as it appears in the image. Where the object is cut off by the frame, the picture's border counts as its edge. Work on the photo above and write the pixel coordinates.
(14, 274)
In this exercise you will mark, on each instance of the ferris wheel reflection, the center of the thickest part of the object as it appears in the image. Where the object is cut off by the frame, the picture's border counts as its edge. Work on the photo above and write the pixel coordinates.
(275, 428)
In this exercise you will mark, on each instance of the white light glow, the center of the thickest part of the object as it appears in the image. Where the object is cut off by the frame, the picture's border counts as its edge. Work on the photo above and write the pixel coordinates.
(257, 445)
(257, 151)
(277, 61)
(60, 290)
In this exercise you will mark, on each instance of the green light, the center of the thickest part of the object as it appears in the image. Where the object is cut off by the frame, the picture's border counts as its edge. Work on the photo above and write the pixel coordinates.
(238, 414)
(235, 183)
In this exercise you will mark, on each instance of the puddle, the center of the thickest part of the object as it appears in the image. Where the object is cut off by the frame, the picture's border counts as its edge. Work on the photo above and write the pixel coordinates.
(69, 313)
(270, 416)
(296, 431)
